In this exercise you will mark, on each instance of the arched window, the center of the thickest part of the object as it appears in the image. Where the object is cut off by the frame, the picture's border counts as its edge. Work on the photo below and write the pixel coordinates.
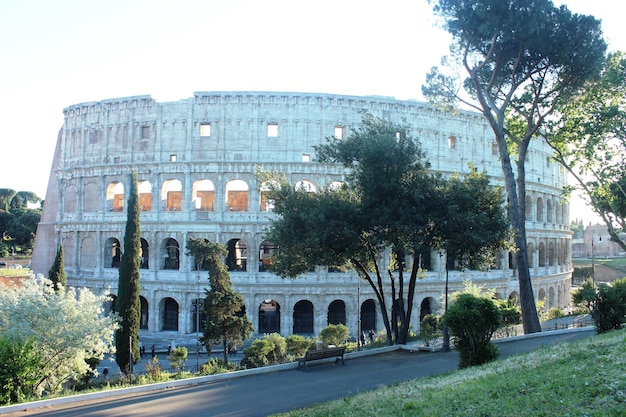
(172, 194)
(169, 316)
(237, 257)
(145, 254)
(115, 196)
(426, 307)
(144, 189)
(529, 208)
(91, 198)
(307, 186)
(112, 253)
(549, 210)
(542, 254)
(198, 315)
(203, 195)
(539, 209)
(143, 322)
(266, 204)
(368, 315)
(171, 254)
(237, 195)
(266, 251)
(303, 317)
(269, 317)
(337, 312)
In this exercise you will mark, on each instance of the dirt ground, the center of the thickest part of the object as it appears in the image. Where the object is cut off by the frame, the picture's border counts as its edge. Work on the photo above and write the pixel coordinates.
(606, 274)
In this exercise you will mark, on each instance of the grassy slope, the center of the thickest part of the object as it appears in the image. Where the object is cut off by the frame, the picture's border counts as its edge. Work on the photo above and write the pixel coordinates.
(585, 378)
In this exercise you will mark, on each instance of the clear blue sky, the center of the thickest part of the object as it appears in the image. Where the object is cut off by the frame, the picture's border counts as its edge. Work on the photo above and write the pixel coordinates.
(58, 53)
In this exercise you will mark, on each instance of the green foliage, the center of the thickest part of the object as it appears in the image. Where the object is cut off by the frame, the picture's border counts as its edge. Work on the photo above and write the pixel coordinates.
(19, 370)
(554, 313)
(153, 368)
(56, 274)
(609, 308)
(127, 304)
(335, 334)
(177, 358)
(217, 366)
(472, 321)
(225, 308)
(585, 295)
(429, 329)
(297, 345)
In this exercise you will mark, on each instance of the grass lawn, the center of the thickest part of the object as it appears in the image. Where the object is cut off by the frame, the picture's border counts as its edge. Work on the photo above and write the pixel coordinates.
(618, 264)
(584, 378)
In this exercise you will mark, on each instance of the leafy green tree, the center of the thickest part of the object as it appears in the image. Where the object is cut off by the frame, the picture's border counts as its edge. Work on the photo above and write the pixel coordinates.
(589, 139)
(177, 358)
(385, 203)
(6, 196)
(56, 274)
(19, 373)
(472, 228)
(520, 59)
(585, 295)
(335, 334)
(472, 322)
(67, 328)
(127, 304)
(297, 345)
(225, 308)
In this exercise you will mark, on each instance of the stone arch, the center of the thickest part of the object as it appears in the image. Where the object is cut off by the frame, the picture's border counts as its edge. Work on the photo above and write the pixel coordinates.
(540, 209)
(541, 295)
(336, 312)
(549, 210)
(169, 314)
(551, 254)
(69, 250)
(115, 196)
(197, 315)
(542, 254)
(427, 306)
(170, 250)
(172, 195)
(237, 257)
(112, 253)
(144, 316)
(91, 198)
(551, 300)
(88, 256)
(70, 199)
(267, 249)
(306, 185)
(368, 314)
(144, 190)
(203, 195)
(529, 208)
(303, 317)
(514, 298)
(144, 262)
(530, 248)
(237, 195)
(265, 204)
(269, 317)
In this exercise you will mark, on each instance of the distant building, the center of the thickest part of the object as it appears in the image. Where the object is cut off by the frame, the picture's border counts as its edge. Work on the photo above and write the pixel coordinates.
(196, 160)
(597, 243)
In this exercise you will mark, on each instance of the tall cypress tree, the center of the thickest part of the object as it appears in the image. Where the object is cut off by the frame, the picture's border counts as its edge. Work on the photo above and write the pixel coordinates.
(127, 304)
(56, 274)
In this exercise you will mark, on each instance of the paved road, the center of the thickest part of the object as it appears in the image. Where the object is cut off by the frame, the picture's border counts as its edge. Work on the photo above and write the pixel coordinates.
(264, 394)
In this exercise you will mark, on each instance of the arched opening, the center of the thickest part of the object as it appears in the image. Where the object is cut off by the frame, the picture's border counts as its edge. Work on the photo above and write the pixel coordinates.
(266, 251)
(205, 262)
(306, 185)
(549, 210)
(514, 298)
(397, 311)
(115, 196)
(337, 312)
(143, 321)
(542, 254)
(426, 307)
(109, 305)
(112, 253)
(551, 298)
(144, 189)
(169, 317)
(198, 315)
(552, 254)
(529, 208)
(237, 195)
(303, 317)
(145, 254)
(172, 194)
(203, 195)
(237, 257)
(424, 259)
(531, 255)
(269, 317)
(265, 203)
(539, 209)
(171, 254)
(368, 315)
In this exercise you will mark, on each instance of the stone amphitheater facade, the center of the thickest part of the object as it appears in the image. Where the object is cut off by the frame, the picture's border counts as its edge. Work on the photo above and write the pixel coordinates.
(196, 160)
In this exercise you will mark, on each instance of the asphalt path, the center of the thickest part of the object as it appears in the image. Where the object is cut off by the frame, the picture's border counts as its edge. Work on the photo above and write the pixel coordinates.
(282, 391)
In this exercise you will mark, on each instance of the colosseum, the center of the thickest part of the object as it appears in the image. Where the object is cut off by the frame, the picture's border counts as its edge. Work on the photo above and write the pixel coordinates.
(196, 160)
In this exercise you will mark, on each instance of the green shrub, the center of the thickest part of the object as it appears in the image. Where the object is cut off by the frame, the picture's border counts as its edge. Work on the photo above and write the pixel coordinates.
(19, 370)
(177, 358)
(429, 329)
(269, 350)
(334, 334)
(609, 308)
(297, 345)
(217, 366)
(554, 313)
(153, 368)
(472, 321)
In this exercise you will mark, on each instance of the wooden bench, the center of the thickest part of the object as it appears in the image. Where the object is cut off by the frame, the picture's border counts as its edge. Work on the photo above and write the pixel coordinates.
(331, 352)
